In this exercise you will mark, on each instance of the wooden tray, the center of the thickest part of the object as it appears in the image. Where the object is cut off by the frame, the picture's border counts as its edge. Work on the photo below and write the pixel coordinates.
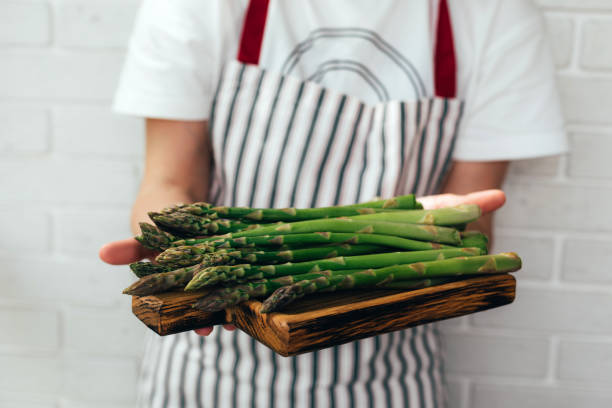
(329, 319)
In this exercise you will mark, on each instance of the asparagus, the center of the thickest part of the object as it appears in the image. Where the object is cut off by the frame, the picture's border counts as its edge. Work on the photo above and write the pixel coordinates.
(485, 264)
(214, 275)
(475, 239)
(188, 224)
(178, 257)
(190, 255)
(315, 238)
(413, 231)
(448, 216)
(162, 282)
(406, 202)
(154, 238)
(142, 269)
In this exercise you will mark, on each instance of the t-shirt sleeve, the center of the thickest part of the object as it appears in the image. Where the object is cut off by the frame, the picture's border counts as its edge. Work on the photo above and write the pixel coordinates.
(175, 55)
(512, 110)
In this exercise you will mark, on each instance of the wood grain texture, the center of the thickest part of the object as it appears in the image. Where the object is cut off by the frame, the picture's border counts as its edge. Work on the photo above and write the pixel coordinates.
(330, 319)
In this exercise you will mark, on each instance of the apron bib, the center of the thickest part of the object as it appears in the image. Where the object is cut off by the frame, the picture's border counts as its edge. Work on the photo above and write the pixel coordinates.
(280, 141)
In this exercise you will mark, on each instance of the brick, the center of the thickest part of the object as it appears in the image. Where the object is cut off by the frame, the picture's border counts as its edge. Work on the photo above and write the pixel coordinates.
(103, 332)
(584, 260)
(24, 401)
(88, 404)
(595, 50)
(544, 166)
(456, 392)
(560, 35)
(32, 374)
(100, 380)
(552, 310)
(556, 206)
(589, 362)
(576, 4)
(67, 181)
(536, 253)
(23, 130)
(29, 328)
(589, 155)
(74, 282)
(511, 396)
(495, 355)
(97, 131)
(59, 75)
(85, 232)
(87, 23)
(22, 223)
(586, 99)
(24, 22)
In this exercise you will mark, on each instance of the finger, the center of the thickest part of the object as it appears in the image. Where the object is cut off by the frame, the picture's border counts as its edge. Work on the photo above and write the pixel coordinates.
(123, 252)
(205, 331)
(229, 327)
(487, 200)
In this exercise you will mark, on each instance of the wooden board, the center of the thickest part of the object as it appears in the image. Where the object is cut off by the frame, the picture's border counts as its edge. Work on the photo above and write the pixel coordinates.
(330, 319)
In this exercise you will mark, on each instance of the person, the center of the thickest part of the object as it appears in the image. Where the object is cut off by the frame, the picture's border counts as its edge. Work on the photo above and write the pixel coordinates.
(327, 103)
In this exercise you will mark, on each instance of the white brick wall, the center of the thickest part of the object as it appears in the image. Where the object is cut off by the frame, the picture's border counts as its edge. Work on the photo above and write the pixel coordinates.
(62, 152)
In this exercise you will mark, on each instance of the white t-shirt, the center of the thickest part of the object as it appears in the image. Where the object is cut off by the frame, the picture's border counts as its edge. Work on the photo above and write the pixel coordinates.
(374, 50)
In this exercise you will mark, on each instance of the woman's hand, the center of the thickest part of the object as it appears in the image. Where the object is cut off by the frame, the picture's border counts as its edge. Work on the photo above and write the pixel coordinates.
(487, 200)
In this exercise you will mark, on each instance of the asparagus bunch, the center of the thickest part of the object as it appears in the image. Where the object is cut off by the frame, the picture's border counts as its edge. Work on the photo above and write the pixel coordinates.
(250, 253)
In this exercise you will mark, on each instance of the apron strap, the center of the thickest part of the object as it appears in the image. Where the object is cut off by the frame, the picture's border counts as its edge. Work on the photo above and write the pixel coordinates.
(445, 66)
(253, 31)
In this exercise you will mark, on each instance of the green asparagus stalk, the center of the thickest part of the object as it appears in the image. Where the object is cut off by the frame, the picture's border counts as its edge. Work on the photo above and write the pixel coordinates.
(178, 257)
(190, 255)
(162, 282)
(475, 239)
(316, 238)
(406, 202)
(486, 264)
(213, 275)
(154, 238)
(412, 231)
(448, 216)
(188, 224)
(142, 269)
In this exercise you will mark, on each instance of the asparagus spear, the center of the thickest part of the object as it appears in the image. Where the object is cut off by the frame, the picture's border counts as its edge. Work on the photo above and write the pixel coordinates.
(162, 282)
(315, 238)
(486, 264)
(406, 202)
(188, 224)
(154, 238)
(142, 269)
(190, 255)
(178, 257)
(214, 275)
(475, 239)
(419, 232)
(449, 216)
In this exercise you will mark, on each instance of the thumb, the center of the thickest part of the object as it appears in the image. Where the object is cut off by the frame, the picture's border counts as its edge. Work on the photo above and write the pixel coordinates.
(124, 252)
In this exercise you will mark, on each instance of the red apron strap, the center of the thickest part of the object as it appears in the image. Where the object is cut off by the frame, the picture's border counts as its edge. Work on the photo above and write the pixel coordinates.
(445, 67)
(253, 31)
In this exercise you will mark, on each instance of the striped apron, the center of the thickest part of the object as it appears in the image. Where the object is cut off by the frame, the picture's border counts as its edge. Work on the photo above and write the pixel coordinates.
(280, 141)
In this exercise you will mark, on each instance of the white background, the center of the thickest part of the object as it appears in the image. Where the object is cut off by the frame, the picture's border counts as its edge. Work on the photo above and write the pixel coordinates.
(69, 170)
